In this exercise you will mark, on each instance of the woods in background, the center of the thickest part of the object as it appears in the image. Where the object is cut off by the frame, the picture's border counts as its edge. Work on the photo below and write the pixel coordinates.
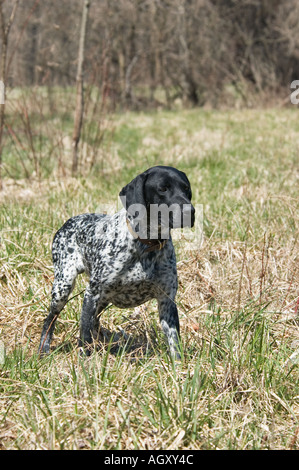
(191, 50)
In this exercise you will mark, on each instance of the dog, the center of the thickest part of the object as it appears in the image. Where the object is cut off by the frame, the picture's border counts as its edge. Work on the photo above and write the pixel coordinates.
(129, 256)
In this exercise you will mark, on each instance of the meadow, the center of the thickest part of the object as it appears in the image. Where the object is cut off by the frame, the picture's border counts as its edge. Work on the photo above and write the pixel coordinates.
(237, 384)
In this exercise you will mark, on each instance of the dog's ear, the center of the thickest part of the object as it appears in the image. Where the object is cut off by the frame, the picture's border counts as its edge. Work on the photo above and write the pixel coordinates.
(133, 193)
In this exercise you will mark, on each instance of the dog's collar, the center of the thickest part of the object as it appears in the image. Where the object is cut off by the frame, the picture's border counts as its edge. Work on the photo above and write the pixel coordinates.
(152, 244)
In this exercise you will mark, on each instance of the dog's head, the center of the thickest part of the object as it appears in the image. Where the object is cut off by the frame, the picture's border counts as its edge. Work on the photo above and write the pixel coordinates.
(159, 199)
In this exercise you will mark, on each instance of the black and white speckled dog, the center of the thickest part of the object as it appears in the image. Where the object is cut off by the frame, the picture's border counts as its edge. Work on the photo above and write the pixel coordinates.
(126, 265)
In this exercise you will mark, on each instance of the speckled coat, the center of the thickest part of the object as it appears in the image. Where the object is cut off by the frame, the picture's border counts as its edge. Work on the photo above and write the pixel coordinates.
(123, 268)
(121, 271)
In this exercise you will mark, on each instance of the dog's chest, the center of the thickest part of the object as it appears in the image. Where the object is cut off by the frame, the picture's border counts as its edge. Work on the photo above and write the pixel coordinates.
(121, 268)
(135, 286)
(131, 271)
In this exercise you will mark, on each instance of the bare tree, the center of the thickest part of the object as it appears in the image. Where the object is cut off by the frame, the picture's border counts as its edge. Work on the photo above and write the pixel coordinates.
(137, 47)
(80, 91)
(4, 30)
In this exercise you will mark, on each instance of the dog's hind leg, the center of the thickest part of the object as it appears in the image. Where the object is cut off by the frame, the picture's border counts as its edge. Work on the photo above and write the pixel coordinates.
(62, 287)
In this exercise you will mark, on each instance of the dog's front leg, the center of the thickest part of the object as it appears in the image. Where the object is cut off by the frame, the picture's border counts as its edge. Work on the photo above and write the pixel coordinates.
(169, 319)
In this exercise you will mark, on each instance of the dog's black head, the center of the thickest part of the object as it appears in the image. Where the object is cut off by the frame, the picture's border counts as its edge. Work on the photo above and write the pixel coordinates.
(160, 196)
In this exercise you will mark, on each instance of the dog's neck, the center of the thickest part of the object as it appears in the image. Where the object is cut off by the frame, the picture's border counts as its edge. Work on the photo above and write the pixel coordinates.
(152, 244)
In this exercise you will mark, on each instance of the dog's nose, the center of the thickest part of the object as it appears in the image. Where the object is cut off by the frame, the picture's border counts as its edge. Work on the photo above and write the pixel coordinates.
(188, 209)
(188, 215)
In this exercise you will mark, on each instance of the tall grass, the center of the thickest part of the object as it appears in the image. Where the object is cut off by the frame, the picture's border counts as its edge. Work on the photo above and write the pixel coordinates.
(237, 384)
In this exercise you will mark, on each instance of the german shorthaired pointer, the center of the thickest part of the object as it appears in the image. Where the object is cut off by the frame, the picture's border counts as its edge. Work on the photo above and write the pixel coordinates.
(129, 256)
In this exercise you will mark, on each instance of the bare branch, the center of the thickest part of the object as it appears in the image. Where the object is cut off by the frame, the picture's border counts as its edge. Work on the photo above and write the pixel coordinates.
(11, 18)
(80, 93)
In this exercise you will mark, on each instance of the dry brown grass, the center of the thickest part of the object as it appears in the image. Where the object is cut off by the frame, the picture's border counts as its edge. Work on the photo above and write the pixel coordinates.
(237, 386)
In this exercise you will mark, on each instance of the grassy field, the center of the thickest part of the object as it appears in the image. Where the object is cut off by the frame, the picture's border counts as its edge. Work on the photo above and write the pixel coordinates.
(237, 385)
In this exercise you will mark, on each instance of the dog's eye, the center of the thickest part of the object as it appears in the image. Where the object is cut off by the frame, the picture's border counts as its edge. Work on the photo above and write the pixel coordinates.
(163, 189)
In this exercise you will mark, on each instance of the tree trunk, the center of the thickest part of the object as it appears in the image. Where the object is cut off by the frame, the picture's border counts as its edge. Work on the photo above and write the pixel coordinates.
(79, 86)
(4, 31)
(2, 106)
(188, 85)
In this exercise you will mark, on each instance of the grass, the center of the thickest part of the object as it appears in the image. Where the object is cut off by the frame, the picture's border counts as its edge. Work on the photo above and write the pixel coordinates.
(237, 385)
